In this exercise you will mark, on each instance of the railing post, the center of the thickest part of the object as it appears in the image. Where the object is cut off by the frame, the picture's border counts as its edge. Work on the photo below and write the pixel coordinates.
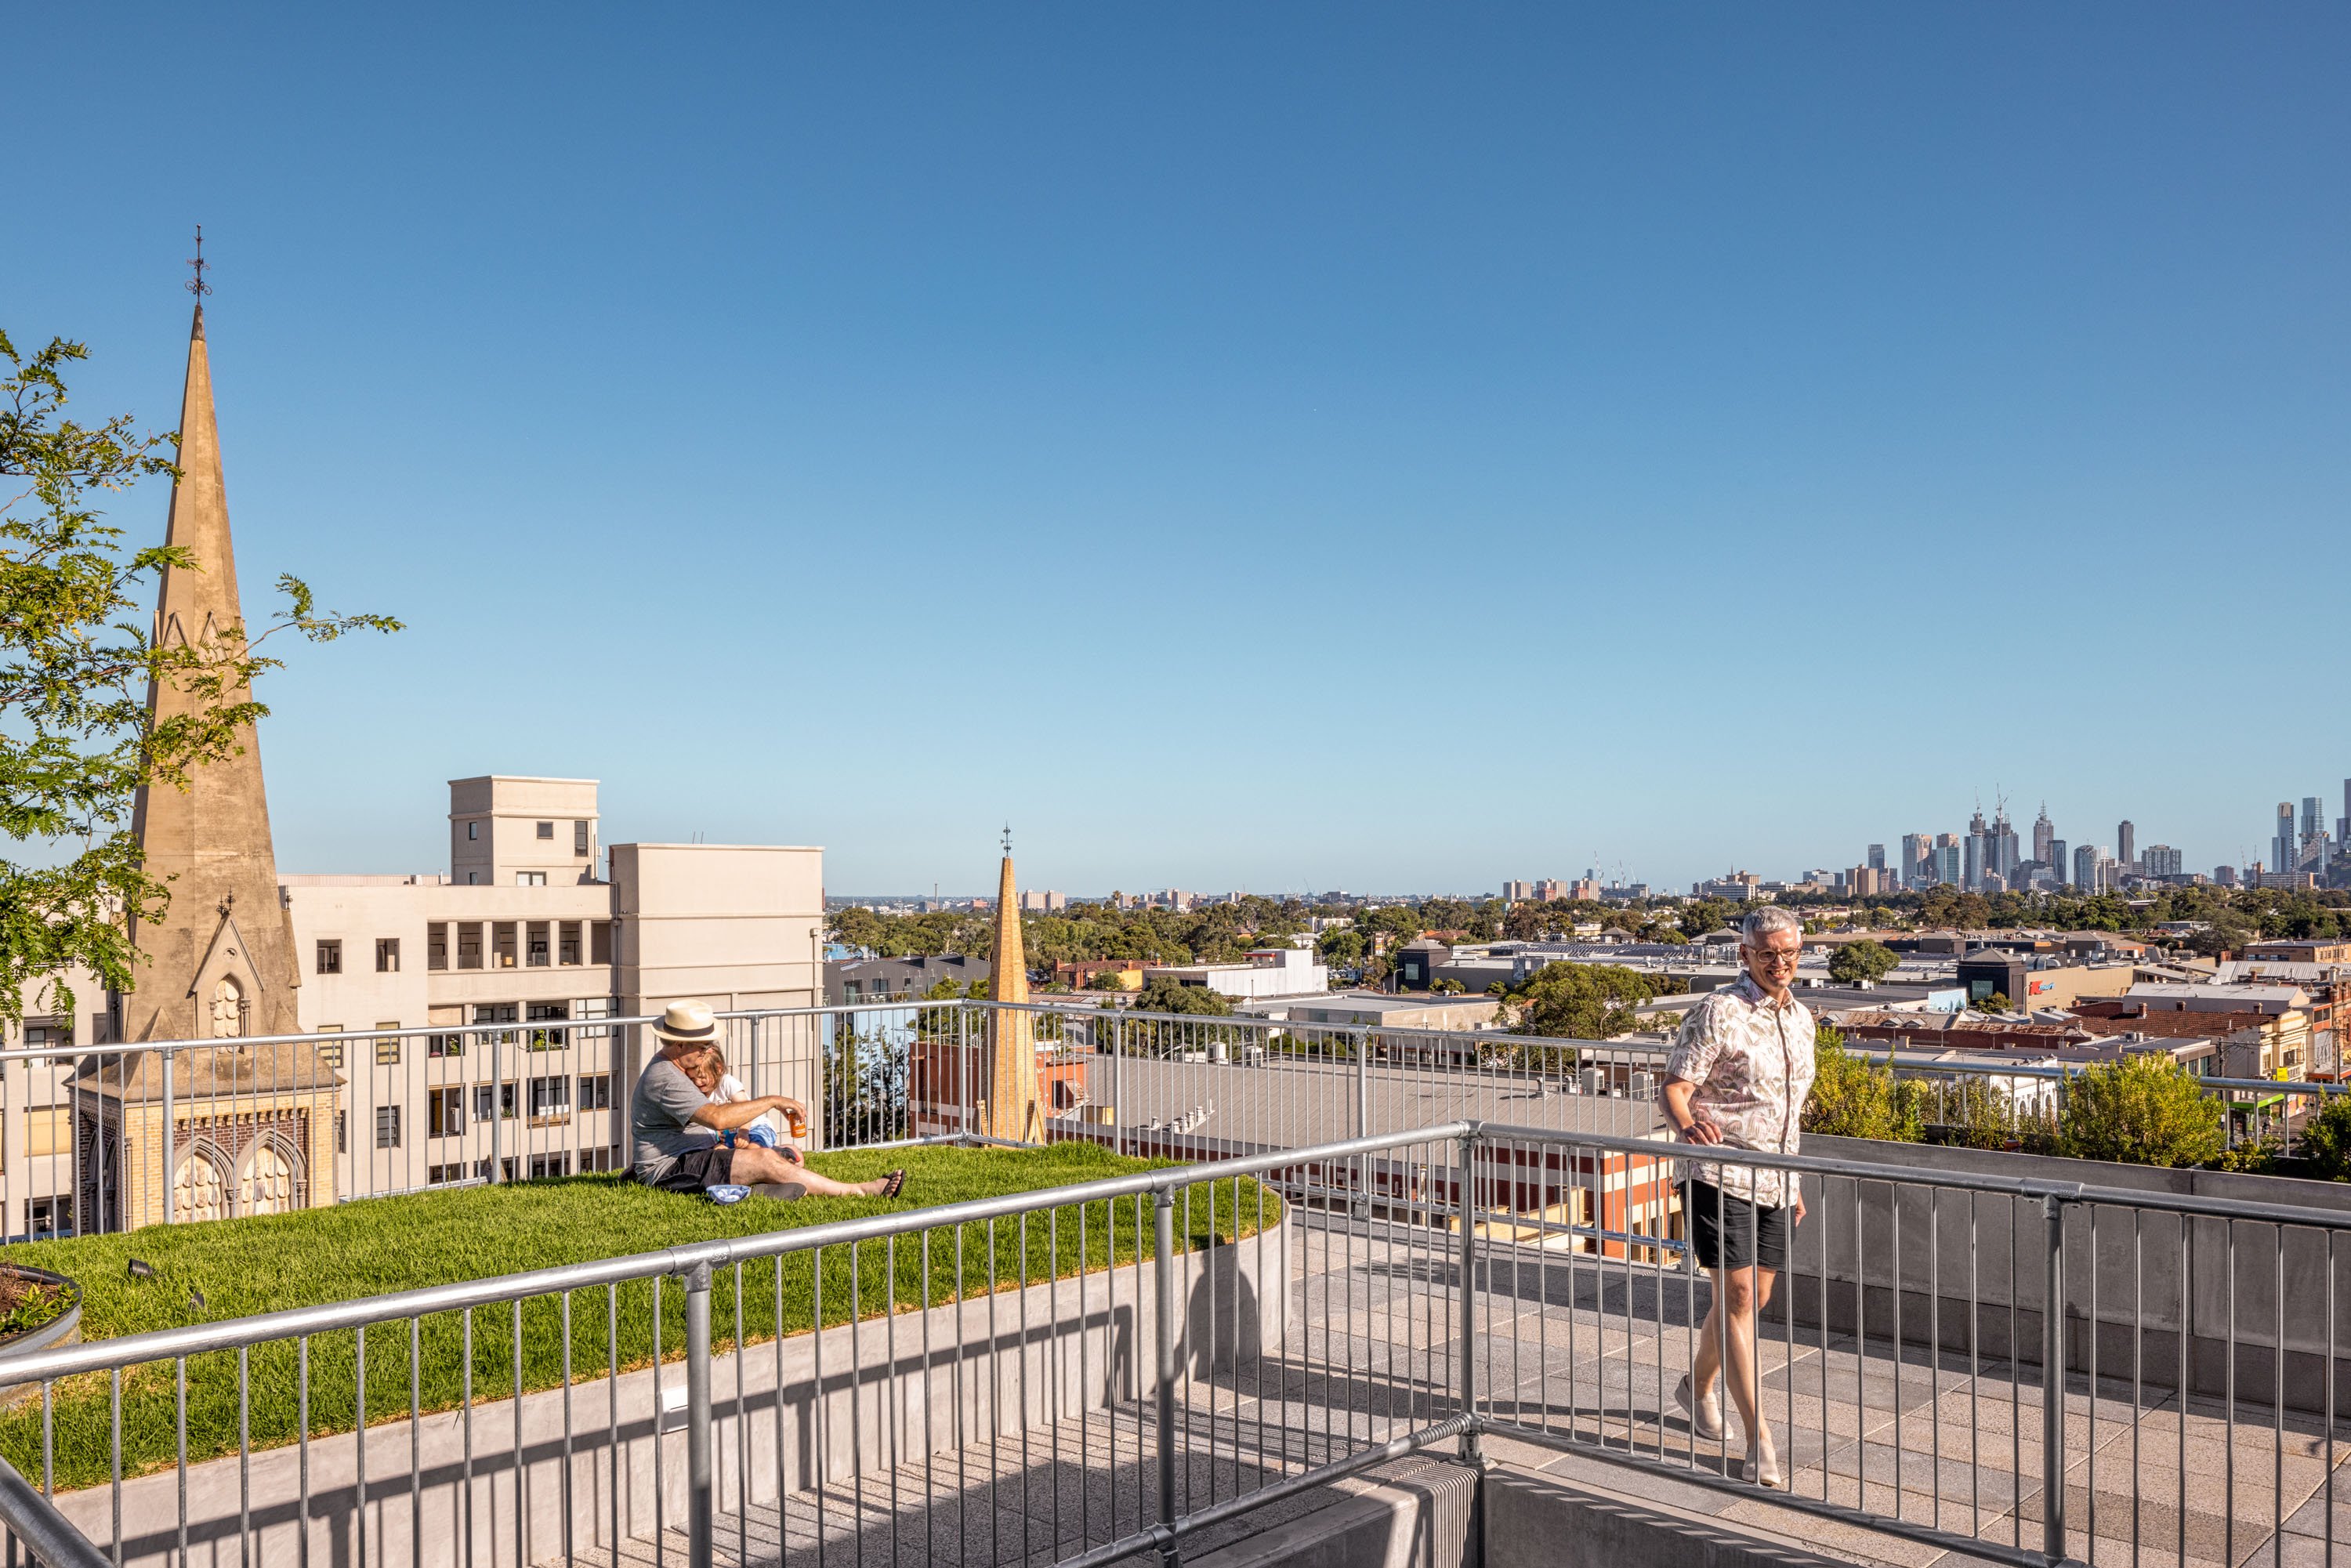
(497, 1113)
(698, 1532)
(1362, 1207)
(966, 1078)
(1162, 1275)
(1471, 1453)
(171, 1146)
(1118, 1085)
(2052, 1385)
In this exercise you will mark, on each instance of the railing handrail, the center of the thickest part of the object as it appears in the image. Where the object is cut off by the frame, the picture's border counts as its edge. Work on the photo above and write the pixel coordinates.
(1923, 1175)
(33, 1519)
(160, 1344)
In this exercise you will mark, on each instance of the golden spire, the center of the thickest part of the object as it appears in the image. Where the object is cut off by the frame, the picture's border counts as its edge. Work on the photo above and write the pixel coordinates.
(1012, 1111)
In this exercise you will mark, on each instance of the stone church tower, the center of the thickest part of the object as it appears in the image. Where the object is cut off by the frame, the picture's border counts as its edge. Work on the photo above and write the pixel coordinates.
(237, 1128)
(221, 962)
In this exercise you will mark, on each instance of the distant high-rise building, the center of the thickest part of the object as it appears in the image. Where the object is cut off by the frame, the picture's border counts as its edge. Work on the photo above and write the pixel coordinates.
(1976, 865)
(1945, 862)
(2225, 875)
(2044, 833)
(2059, 867)
(2126, 842)
(2086, 869)
(1518, 891)
(2343, 823)
(1878, 857)
(1914, 848)
(2283, 843)
(2311, 821)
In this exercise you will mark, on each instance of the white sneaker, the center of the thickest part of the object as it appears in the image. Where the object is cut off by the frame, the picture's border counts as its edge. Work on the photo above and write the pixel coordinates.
(1704, 1410)
(1762, 1466)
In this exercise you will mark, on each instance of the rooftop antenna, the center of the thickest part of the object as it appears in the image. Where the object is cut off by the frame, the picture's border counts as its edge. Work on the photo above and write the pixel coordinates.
(1008, 840)
(196, 284)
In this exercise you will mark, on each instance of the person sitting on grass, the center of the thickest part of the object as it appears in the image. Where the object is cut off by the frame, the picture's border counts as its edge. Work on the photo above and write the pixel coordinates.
(677, 1129)
(768, 1129)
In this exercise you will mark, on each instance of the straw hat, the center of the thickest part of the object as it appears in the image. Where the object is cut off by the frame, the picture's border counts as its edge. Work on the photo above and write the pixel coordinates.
(688, 1023)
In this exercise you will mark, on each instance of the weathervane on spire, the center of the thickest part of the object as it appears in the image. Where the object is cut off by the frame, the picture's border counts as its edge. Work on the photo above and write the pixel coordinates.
(1008, 838)
(196, 284)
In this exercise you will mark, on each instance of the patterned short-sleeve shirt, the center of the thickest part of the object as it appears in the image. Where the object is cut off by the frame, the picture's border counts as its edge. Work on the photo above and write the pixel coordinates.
(1751, 1059)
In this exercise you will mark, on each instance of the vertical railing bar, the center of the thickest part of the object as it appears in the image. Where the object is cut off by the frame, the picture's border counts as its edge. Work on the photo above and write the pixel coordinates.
(660, 1481)
(1162, 1274)
(466, 1422)
(521, 1473)
(2053, 1385)
(856, 1400)
(415, 1438)
(244, 1457)
(2090, 1445)
(179, 1435)
(2229, 1526)
(699, 1543)
(930, 1434)
(302, 1420)
(1893, 1214)
(2277, 1410)
(563, 1488)
(1975, 1382)
(1470, 1452)
(820, 1427)
(612, 1412)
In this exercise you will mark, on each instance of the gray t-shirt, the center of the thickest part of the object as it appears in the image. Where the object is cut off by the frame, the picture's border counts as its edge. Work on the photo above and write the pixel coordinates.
(661, 1121)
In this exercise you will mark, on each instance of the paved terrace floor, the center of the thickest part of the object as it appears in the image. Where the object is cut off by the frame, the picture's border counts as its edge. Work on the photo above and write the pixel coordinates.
(1589, 1351)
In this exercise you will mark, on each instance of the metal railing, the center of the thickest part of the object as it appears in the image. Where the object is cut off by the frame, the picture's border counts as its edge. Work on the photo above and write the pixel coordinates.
(1981, 1361)
(1131, 1340)
(112, 1137)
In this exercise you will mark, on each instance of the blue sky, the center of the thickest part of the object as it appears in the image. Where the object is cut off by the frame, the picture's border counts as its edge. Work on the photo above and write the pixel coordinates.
(1391, 448)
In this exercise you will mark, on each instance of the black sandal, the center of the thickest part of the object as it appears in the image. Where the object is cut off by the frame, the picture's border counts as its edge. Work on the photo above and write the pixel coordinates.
(893, 1184)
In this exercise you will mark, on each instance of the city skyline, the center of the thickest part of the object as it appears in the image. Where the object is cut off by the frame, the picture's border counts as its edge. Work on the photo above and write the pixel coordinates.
(838, 384)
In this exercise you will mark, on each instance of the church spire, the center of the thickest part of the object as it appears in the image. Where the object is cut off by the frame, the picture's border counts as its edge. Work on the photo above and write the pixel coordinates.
(221, 961)
(1012, 1108)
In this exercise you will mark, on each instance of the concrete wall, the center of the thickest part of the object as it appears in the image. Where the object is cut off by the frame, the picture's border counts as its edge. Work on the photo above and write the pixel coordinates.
(887, 1397)
(2124, 1270)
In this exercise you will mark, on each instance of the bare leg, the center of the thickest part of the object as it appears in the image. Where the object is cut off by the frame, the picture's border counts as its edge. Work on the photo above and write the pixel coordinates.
(1729, 1347)
(754, 1164)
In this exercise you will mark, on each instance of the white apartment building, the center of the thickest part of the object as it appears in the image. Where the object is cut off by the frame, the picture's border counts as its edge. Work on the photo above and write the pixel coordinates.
(524, 930)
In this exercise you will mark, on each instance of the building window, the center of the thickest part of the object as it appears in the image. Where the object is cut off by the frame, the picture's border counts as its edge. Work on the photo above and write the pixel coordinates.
(48, 1130)
(473, 879)
(331, 956)
(567, 943)
(545, 1166)
(592, 1008)
(50, 1215)
(502, 945)
(535, 953)
(51, 1034)
(469, 944)
(343, 1132)
(444, 1113)
(387, 1051)
(599, 1158)
(505, 1101)
(436, 946)
(546, 831)
(443, 1176)
(437, 1046)
(473, 830)
(386, 955)
(530, 879)
(595, 1091)
(550, 1099)
(330, 1055)
(579, 838)
(600, 942)
(547, 1012)
(387, 1126)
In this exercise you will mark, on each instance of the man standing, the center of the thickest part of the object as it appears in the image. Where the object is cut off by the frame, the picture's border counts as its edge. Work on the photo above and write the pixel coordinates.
(678, 1132)
(1739, 1076)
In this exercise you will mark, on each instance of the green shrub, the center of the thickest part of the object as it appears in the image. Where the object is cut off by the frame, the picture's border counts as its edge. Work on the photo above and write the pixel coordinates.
(2144, 1109)
(2326, 1140)
(1855, 1098)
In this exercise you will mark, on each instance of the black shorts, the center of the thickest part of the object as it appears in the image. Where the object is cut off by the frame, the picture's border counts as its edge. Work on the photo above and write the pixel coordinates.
(698, 1170)
(1729, 1232)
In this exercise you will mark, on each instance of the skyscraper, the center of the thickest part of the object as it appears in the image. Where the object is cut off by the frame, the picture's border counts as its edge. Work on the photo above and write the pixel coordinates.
(2044, 834)
(2058, 869)
(1916, 848)
(1975, 866)
(2310, 819)
(1878, 857)
(2002, 854)
(2085, 868)
(1946, 861)
(2282, 845)
(2126, 842)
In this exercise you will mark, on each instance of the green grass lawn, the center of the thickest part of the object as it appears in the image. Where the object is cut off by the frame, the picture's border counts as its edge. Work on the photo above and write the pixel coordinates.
(384, 1245)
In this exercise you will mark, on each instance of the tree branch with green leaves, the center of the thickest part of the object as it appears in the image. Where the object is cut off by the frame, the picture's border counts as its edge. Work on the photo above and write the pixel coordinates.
(76, 671)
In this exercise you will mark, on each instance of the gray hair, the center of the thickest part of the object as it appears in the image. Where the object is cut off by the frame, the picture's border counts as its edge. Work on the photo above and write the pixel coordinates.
(1762, 923)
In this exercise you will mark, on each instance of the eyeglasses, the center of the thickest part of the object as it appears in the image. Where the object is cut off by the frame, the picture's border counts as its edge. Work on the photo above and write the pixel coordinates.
(1773, 955)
